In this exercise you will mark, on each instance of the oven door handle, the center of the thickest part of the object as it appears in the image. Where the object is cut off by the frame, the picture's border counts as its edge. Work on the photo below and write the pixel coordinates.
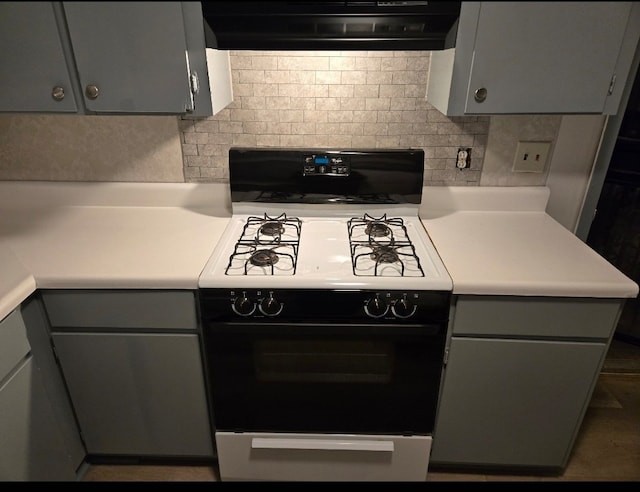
(325, 444)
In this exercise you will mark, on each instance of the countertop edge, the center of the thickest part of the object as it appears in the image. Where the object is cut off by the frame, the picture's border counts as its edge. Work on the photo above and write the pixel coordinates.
(16, 296)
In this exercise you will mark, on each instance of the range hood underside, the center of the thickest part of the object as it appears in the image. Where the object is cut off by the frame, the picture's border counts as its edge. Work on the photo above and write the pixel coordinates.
(330, 25)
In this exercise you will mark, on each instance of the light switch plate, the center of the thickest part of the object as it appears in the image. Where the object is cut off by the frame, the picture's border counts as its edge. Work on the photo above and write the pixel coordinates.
(531, 157)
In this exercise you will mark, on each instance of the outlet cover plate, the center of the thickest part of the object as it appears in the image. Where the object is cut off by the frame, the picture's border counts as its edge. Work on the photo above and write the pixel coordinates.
(531, 157)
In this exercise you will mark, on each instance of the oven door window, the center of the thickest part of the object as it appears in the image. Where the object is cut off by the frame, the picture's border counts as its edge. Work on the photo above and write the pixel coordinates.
(320, 378)
(303, 361)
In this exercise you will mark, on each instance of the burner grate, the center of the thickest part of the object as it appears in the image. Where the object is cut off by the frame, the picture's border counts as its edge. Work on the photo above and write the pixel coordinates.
(267, 246)
(381, 247)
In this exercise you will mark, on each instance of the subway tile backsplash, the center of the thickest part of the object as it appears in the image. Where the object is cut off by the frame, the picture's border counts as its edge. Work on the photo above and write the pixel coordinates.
(342, 99)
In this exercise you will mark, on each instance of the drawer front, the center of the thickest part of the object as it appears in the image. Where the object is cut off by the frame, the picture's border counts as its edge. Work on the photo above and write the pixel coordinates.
(536, 316)
(121, 309)
(322, 457)
(14, 345)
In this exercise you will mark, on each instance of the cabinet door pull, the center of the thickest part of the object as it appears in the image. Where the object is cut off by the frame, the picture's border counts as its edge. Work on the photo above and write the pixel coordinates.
(92, 91)
(480, 94)
(58, 93)
(328, 444)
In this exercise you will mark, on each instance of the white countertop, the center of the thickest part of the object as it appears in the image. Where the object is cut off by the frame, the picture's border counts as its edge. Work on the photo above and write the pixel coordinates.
(110, 235)
(500, 241)
(492, 240)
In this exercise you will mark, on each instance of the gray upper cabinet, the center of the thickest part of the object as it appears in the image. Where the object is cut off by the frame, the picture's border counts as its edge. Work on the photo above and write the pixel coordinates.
(124, 57)
(33, 70)
(131, 56)
(536, 57)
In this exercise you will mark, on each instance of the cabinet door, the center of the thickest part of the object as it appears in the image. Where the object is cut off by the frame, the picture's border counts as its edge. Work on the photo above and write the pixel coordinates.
(137, 394)
(513, 402)
(38, 333)
(32, 61)
(31, 444)
(14, 344)
(546, 57)
(133, 53)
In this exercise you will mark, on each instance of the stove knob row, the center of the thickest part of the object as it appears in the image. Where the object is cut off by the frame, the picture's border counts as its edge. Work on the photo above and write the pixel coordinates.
(268, 306)
(377, 307)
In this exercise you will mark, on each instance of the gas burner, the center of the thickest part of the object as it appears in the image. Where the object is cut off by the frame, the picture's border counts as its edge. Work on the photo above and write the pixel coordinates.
(377, 229)
(373, 228)
(384, 254)
(250, 258)
(398, 260)
(264, 257)
(272, 228)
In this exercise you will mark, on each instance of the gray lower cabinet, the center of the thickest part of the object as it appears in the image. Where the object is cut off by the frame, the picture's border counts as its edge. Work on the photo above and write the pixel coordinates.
(519, 376)
(132, 364)
(32, 446)
(37, 325)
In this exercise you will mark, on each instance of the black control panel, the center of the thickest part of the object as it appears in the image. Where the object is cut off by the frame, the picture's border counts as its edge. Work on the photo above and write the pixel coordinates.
(309, 305)
(326, 165)
(394, 176)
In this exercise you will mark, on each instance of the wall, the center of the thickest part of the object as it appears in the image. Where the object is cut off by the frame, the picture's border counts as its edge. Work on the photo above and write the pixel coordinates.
(570, 170)
(505, 132)
(90, 148)
(286, 99)
(321, 99)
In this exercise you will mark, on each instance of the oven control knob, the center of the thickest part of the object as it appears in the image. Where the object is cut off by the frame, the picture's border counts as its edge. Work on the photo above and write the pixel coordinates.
(376, 307)
(403, 307)
(270, 306)
(243, 306)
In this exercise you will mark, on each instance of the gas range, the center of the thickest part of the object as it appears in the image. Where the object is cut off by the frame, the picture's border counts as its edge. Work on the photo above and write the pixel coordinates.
(344, 238)
(324, 313)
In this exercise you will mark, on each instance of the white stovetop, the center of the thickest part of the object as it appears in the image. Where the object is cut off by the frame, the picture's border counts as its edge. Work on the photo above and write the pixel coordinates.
(324, 258)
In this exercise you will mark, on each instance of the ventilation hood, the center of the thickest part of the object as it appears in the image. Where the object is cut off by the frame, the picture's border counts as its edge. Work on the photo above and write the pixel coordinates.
(356, 25)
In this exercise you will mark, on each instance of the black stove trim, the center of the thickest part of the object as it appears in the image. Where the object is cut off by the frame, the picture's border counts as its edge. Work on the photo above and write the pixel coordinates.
(276, 175)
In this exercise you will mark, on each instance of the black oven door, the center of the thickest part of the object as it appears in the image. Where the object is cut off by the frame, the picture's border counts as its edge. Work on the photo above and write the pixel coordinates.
(325, 378)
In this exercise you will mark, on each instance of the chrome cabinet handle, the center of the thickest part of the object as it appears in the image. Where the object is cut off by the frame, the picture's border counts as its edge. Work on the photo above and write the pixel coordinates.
(329, 444)
(92, 91)
(480, 94)
(58, 93)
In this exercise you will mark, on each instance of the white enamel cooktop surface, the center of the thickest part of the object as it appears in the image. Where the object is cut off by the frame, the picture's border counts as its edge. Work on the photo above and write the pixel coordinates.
(324, 258)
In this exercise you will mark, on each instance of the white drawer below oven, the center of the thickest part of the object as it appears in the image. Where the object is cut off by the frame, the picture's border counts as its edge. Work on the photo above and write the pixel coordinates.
(322, 457)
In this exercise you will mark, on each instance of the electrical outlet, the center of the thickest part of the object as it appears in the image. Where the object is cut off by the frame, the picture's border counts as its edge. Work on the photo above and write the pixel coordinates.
(531, 157)
(463, 159)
